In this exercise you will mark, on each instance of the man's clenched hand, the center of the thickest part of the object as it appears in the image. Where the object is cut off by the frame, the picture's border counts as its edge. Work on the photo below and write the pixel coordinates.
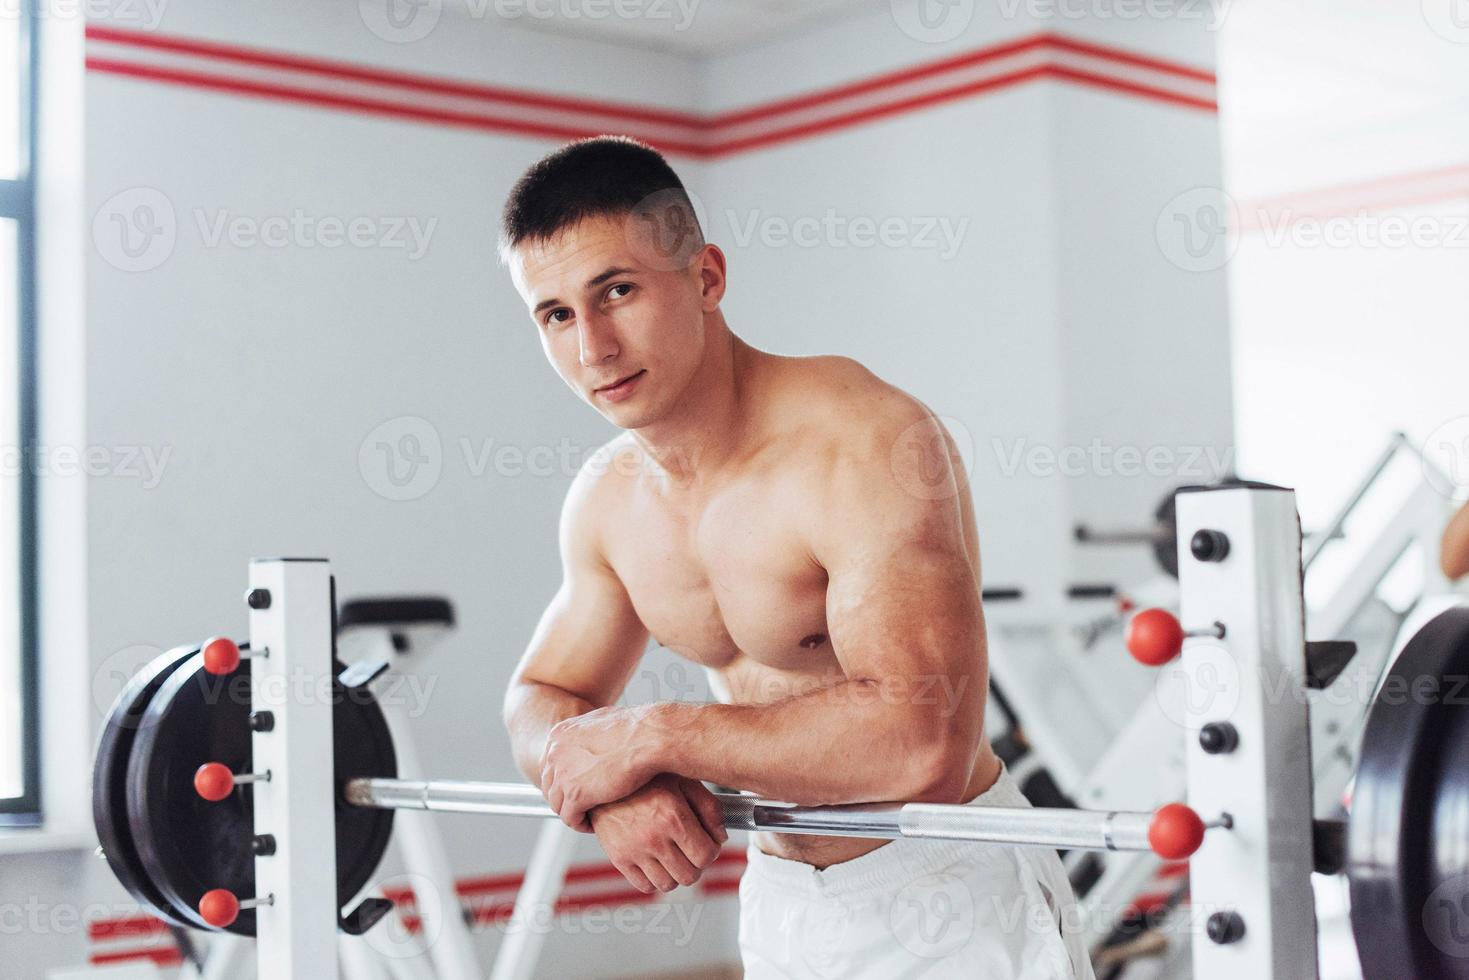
(596, 758)
(663, 835)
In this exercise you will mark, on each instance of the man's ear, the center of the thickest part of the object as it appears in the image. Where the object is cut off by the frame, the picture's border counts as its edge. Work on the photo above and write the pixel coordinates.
(710, 268)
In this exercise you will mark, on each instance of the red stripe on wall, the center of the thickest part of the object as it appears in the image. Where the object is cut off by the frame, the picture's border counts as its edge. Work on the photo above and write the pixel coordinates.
(511, 881)
(287, 93)
(704, 132)
(1145, 905)
(491, 883)
(1130, 88)
(495, 913)
(119, 928)
(720, 887)
(161, 955)
(859, 116)
(1357, 187)
(902, 76)
(731, 858)
(1130, 58)
(1335, 201)
(408, 81)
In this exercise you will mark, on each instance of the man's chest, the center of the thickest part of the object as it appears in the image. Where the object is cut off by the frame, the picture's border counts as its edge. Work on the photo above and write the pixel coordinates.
(728, 576)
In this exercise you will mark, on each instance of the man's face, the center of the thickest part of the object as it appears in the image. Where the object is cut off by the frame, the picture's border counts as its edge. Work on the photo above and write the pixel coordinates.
(627, 335)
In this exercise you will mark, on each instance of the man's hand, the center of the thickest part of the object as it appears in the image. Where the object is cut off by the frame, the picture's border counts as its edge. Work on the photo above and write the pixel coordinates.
(595, 758)
(663, 835)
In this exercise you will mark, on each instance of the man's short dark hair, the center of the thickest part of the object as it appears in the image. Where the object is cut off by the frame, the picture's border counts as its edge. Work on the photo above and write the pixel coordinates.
(604, 176)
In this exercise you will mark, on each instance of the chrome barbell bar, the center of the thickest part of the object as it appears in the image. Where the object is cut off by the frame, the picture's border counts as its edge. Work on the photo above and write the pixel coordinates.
(1173, 831)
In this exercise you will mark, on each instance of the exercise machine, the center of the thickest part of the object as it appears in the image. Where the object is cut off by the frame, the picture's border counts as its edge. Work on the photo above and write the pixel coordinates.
(261, 779)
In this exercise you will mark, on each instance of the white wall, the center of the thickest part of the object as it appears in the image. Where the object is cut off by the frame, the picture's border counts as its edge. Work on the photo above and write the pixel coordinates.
(1058, 322)
(258, 375)
(268, 376)
(1346, 119)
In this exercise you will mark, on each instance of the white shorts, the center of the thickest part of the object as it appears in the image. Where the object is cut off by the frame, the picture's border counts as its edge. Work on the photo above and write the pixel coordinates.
(915, 908)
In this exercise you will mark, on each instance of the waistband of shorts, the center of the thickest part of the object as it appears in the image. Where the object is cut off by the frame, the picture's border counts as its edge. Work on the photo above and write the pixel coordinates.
(895, 863)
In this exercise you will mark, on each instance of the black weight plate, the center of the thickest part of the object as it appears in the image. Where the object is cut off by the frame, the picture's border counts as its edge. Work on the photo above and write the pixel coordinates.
(191, 845)
(1165, 534)
(109, 782)
(1444, 916)
(1409, 829)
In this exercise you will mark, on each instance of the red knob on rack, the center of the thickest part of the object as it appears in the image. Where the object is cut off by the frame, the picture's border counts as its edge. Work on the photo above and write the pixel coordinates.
(223, 655)
(1154, 636)
(1176, 832)
(220, 908)
(214, 781)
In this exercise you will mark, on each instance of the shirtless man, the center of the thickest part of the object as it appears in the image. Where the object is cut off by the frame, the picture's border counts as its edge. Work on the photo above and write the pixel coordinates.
(802, 531)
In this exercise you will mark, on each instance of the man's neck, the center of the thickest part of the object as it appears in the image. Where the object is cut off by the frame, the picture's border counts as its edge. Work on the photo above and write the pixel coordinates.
(711, 424)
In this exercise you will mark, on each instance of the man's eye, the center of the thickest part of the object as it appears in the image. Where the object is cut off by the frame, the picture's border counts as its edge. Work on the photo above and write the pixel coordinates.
(555, 314)
(621, 285)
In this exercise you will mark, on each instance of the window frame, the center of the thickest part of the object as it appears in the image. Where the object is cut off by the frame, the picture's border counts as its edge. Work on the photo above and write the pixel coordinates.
(18, 202)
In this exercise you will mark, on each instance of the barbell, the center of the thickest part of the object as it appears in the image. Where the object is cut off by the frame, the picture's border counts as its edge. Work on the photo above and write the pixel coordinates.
(175, 819)
(173, 796)
(1162, 535)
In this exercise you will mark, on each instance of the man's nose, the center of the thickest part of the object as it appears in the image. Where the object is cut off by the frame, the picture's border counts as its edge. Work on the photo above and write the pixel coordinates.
(598, 341)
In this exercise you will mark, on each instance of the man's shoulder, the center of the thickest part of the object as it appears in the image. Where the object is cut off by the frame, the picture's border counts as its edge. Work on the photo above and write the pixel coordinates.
(879, 461)
(850, 409)
(602, 470)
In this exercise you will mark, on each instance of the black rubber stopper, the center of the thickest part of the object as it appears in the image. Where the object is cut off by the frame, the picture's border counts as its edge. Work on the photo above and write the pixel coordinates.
(1218, 738)
(1209, 545)
(1225, 927)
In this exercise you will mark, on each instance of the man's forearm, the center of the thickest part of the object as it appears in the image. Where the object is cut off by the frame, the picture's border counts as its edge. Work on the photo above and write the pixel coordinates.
(855, 742)
(531, 711)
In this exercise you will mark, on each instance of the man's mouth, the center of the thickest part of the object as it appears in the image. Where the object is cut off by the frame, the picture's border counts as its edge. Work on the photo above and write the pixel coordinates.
(620, 388)
(620, 381)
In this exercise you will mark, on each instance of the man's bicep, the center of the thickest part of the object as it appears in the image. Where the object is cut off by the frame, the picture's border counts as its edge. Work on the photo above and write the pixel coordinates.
(903, 583)
(589, 639)
(905, 609)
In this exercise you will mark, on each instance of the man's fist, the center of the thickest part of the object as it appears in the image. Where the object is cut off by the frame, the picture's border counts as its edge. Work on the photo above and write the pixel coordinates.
(596, 758)
(663, 835)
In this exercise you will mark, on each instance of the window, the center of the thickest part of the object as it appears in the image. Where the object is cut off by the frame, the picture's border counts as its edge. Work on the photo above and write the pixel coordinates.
(19, 723)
